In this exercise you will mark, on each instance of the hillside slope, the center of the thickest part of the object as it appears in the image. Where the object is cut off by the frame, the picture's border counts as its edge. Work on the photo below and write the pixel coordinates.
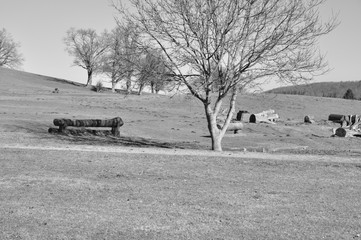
(24, 82)
(28, 107)
(322, 89)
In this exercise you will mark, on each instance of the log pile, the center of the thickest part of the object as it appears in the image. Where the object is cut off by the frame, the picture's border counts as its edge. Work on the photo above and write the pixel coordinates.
(268, 116)
(350, 125)
(63, 124)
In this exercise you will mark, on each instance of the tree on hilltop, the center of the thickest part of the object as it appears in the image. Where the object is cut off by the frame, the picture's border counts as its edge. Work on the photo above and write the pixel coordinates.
(216, 47)
(9, 54)
(87, 48)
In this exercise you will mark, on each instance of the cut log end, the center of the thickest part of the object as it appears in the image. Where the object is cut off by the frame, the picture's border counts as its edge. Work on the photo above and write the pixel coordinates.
(340, 132)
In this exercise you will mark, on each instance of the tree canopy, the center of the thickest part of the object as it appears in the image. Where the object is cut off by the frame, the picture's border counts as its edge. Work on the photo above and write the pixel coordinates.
(87, 48)
(9, 51)
(215, 47)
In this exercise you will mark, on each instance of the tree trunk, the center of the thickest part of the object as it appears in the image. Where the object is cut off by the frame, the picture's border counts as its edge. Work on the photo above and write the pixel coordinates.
(129, 82)
(90, 78)
(129, 86)
(152, 87)
(213, 129)
(113, 86)
(216, 133)
(140, 89)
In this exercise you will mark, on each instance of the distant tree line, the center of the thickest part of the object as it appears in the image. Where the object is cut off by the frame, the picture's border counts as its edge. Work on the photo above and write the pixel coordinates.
(345, 90)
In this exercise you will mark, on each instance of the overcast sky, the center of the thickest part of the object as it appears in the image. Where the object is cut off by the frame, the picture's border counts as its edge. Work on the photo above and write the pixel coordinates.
(40, 26)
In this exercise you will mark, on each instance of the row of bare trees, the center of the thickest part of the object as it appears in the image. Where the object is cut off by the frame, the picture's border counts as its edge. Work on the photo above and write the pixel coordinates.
(120, 56)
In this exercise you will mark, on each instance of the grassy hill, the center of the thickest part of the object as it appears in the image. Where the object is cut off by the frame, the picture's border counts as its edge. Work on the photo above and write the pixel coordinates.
(28, 106)
(322, 89)
(95, 187)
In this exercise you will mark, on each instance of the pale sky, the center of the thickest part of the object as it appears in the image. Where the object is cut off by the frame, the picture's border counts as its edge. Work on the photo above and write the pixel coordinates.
(40, 26)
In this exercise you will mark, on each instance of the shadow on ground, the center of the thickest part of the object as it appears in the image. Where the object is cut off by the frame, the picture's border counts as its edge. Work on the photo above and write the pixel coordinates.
(98, 137)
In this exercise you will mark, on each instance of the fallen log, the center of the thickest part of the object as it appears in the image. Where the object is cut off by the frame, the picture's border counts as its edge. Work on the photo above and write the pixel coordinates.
(261, 118)
(233, 126)
(342, 132)
(243, 116)
(114, 124)
(338, 118)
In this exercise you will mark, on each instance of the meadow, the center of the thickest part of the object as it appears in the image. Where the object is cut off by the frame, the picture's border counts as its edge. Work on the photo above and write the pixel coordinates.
(159, 180)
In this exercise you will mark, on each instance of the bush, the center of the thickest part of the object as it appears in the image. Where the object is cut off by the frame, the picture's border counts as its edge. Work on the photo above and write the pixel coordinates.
(348, 94)
(99, 87)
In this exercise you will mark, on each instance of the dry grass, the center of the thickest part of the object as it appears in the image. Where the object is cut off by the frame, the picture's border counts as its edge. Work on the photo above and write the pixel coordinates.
(68, 194)
(97, 195)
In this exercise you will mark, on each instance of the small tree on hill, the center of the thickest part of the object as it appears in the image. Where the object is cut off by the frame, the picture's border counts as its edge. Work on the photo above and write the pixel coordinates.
(217, 47)
(348, 94)
(9, 54)
(87, 48)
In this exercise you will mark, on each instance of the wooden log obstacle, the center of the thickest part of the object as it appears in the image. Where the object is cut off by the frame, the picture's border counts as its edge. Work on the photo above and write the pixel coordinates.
(234, 126)
(268, 116)
(348, 121)
(349, 125)
(114, 124)
(243, 116)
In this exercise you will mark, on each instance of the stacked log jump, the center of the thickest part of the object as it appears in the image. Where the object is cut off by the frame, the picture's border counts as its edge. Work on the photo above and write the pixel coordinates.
(268, 116)
(63, 124)
(234, 126)
(349, 125)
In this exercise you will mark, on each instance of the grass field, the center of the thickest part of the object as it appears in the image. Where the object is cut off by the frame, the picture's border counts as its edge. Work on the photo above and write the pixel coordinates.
(159, 181)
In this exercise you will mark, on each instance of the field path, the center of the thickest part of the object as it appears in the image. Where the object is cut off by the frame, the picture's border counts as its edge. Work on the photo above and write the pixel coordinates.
(188, 152)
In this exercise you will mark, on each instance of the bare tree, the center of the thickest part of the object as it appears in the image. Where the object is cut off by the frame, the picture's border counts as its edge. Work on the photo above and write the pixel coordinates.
(217, 47)
(132, 51)
(87, 48)
(153, 71)
(9, 55)
(122, 57)
(113, 63)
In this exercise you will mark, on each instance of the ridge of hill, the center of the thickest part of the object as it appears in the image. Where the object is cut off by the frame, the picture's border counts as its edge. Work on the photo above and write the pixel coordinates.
(321, 89)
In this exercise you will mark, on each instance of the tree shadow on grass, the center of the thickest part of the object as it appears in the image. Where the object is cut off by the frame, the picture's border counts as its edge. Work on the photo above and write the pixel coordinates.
(97, 137)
